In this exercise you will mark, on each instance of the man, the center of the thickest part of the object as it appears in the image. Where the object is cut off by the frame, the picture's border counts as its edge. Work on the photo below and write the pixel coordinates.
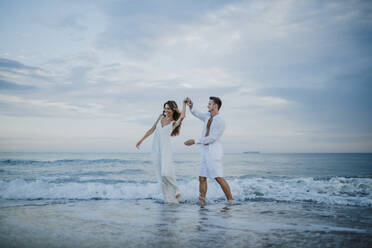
(211, 147)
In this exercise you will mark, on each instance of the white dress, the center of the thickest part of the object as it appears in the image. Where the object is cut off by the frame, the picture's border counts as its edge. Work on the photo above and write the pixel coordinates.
(163, 160)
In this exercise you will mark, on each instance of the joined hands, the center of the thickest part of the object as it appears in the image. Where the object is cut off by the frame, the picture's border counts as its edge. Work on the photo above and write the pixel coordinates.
(188, 101)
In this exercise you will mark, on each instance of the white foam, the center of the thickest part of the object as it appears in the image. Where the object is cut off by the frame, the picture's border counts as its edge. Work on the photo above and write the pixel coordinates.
(338, 190)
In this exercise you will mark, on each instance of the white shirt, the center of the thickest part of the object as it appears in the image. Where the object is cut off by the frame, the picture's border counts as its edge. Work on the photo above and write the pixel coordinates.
(216, 129)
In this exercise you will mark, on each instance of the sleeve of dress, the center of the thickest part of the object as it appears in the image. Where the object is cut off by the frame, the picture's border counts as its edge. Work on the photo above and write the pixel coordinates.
(217, 132)
(195, 112)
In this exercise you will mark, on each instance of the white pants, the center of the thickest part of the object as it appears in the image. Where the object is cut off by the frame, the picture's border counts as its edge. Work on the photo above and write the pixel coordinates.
(170, 189)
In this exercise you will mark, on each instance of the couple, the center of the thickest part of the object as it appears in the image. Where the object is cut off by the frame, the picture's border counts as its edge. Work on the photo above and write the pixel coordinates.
(169, 124)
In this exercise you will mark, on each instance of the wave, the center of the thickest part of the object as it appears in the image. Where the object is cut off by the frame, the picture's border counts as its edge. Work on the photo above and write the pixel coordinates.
(70, 161)
(332, 191)
(106, 173)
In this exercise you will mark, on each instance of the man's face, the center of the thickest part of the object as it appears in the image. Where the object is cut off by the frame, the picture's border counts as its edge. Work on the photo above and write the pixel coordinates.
(211, 105)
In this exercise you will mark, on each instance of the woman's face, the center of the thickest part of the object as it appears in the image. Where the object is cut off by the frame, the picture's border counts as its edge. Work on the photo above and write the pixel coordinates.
(167, 110)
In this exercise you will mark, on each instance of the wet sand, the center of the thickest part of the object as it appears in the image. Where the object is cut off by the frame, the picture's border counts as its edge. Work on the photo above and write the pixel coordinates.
(148, 223)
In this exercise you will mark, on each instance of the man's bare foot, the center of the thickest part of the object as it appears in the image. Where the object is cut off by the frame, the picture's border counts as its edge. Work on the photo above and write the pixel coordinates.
(231, 202)
(201, 201)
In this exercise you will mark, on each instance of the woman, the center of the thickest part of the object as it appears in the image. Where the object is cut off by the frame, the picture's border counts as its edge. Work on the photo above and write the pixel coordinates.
(168, 124)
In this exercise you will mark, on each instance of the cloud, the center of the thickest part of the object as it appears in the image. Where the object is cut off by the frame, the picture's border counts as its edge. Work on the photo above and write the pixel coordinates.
(62, 21)
(293, 76)
(133, 26)
(9, 86)
(13, 64)
(54, 108)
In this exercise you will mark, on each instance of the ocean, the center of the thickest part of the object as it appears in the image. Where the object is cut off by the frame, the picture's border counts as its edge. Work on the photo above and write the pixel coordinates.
(113, 200)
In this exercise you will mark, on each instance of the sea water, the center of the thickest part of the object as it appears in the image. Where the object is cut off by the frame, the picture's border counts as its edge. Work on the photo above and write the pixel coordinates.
(113, 199)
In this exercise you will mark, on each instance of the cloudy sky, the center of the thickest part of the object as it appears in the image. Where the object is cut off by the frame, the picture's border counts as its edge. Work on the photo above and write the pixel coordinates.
(90, 76)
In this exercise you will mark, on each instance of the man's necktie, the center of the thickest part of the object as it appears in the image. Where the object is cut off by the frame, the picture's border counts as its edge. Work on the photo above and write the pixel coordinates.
(209, 125)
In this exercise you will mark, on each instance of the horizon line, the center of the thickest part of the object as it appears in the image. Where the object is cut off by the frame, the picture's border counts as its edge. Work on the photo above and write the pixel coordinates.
(256, 153)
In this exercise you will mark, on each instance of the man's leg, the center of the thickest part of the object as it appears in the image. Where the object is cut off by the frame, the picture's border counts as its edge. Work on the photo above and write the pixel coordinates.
(225, 187)
(202, 187)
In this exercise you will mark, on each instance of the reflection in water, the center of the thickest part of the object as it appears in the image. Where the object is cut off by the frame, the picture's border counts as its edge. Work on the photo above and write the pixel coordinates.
(167, 233)
(212, 227)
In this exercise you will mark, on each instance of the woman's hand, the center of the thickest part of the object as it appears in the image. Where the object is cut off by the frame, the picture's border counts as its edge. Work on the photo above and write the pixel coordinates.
(138, 144)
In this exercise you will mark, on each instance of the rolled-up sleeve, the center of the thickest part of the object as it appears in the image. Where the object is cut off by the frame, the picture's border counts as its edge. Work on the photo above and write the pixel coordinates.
(219, 128)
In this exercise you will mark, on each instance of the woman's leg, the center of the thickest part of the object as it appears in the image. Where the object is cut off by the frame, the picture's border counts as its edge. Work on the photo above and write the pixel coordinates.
(168, 183)
(165, 188)
(172, 183)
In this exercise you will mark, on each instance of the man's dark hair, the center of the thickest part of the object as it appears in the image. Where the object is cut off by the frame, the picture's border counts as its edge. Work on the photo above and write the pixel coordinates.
(217, 101)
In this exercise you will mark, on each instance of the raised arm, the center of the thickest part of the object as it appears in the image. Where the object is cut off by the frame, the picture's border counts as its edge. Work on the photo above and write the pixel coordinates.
(149, 132)
(183, 115)
(196, 112)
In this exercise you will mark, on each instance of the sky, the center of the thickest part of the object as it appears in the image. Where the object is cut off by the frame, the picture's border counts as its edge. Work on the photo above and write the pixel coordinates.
(92, 76)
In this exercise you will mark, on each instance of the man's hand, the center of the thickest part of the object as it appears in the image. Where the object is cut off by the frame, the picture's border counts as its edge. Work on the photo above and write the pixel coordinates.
(189, 142)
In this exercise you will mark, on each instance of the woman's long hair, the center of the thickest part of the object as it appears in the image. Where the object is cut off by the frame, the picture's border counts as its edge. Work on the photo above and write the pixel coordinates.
(176, 114)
